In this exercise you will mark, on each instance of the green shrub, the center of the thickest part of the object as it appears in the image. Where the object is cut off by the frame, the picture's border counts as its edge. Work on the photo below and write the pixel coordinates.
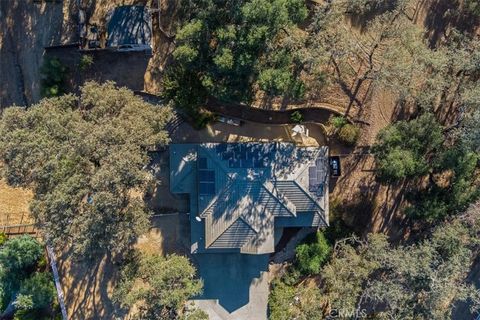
(202, 118)
(472, 7)
(338, 121)
(291, 276)
(3, 238)
(280, 299)
(36, 292)
(85, 62)
(53, 80)
(19, 254)
(311, 256)
(296, 116)
(349, 134)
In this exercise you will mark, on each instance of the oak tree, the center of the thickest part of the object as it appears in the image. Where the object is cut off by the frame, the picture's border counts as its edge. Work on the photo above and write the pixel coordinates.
(84, 158)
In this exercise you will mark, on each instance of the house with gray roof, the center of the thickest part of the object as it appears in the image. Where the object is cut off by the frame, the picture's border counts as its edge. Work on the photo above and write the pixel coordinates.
(241, 193)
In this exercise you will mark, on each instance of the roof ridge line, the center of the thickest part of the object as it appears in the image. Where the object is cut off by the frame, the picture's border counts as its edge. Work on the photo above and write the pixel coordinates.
(227, 187)
(322, 216)
(248, 224)
(219, 163)
(239, 218)
(286, 203)
(224, 169)
(183, 178)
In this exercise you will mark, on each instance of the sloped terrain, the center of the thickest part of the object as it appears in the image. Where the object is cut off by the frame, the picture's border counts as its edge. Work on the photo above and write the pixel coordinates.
(26, 28)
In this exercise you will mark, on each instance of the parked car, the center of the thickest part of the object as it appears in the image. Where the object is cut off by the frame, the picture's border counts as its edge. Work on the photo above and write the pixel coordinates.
(335, 169)
(231, 121)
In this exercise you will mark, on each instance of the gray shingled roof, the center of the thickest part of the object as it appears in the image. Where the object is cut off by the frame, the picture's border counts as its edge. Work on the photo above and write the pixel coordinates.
(238, 190)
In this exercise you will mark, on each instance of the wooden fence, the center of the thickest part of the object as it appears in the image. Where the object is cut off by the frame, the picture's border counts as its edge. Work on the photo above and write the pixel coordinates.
(19, 229)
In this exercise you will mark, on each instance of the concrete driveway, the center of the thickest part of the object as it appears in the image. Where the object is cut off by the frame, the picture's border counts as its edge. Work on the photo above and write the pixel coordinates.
(235, 286)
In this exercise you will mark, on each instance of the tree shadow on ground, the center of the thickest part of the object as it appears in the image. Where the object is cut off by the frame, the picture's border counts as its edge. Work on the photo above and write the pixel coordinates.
(364, 203)
(87, 286)
(443, 15)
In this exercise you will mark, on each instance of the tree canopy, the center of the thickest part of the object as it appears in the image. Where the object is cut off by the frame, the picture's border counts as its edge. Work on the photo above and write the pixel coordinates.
(225, 49)
(403, 149)
(84, 158)
(371, 276)
(27, 290)
(428, 276)
(36, 292)
(442, 175)
(310, 256)
(159, 286)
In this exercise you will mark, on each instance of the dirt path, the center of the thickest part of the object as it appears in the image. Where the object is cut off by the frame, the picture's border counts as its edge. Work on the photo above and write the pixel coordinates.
(25, 29)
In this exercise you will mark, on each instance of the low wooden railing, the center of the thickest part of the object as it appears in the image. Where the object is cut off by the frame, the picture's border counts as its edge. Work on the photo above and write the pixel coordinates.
(18, 229)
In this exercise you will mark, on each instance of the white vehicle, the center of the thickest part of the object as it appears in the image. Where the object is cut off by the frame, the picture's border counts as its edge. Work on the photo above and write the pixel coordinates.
(233, 122)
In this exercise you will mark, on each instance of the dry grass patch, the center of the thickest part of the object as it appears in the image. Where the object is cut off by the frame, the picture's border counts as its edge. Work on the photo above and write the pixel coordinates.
(14, 204)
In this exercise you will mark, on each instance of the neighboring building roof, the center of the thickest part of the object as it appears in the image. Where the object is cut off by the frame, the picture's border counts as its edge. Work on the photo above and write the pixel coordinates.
(239, 191)
(129, 25)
